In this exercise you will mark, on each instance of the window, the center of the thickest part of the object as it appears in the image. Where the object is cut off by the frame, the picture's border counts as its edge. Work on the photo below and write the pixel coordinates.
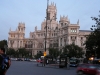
(52, 34)
(73, 30)
(21, 29)
(71, 37)
(61, 24)
(38, 35)
(81, 43)
(56, 27)
(32, 36)
(55, 17)
(81, 38)
(48, 16)
(73, 42)
(75, 37)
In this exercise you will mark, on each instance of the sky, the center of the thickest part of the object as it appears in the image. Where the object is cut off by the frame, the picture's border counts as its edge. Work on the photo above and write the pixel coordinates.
(33, 12)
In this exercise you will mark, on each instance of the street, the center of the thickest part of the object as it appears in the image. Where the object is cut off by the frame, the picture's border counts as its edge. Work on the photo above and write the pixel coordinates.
(30, 68)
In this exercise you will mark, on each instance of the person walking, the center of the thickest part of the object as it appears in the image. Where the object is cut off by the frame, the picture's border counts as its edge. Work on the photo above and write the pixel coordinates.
(5, 62)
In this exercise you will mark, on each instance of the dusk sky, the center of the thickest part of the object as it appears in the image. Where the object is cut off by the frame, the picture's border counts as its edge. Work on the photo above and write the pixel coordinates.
(33, 12)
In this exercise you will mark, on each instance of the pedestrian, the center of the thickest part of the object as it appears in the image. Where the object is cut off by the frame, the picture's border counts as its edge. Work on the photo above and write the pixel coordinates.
(5, 62)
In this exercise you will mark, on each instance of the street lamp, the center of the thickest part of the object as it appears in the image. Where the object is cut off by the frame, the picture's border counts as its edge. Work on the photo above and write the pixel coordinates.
(46, 25)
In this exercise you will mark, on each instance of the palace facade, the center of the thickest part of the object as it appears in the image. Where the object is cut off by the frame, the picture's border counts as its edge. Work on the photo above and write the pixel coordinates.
(59, 34)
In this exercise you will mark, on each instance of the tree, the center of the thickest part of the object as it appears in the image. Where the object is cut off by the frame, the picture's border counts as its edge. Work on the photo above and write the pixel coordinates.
(3, 43)
(92, 43)
(11, 52)
(38, 55)
(73, 50)
(54, 52)
(22, 52)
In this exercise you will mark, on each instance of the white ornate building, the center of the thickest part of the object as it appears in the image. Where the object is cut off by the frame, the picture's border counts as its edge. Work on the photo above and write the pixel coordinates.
(59, 33)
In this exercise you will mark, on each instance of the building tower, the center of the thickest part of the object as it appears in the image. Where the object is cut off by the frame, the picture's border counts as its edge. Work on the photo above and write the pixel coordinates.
(51, 11)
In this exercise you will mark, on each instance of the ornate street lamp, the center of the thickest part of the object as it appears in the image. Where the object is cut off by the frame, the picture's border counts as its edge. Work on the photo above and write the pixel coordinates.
(46, 26)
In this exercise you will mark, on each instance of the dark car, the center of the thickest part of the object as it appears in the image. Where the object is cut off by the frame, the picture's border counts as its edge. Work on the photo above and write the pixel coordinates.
(90, 69)
(19, 59)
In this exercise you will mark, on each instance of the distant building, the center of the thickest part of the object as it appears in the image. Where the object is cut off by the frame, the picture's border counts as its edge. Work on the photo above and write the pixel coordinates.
(59, 34)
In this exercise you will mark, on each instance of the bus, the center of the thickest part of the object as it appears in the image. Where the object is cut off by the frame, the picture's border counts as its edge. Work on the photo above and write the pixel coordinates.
(74, 62)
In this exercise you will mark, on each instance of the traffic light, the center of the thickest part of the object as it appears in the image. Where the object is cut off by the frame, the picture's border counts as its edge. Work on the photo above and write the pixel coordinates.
(44, 53)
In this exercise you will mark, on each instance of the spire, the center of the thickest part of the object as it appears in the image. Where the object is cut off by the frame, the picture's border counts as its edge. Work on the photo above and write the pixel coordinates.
(51, 3)
(69, 20)
(36, 28)
(10, 29)
(78, 22)
(60, 17)
(66, 17)
(47, 2)
(63, 16)
(47, 5)
(44, 20)
(55, 4)
(16, 29)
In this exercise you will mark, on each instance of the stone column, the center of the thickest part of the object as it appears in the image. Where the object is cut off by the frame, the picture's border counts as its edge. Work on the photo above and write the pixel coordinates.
(62, 41)
(69, 40)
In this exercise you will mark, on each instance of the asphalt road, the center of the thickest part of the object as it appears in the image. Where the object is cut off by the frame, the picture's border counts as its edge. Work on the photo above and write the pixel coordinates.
(30, 68)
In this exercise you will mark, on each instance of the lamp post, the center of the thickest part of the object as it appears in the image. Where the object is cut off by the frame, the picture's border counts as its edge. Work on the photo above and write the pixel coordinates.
(46, 26)
(46, 32)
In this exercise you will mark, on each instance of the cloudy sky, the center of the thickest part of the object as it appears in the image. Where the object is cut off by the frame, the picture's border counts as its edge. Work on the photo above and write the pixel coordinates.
(33, 12)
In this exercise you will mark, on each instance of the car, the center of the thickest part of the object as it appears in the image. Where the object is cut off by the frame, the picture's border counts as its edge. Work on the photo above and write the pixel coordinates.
(32, 60)
(39, 61)
(90, 69)
(19, 59)
(14, 59)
